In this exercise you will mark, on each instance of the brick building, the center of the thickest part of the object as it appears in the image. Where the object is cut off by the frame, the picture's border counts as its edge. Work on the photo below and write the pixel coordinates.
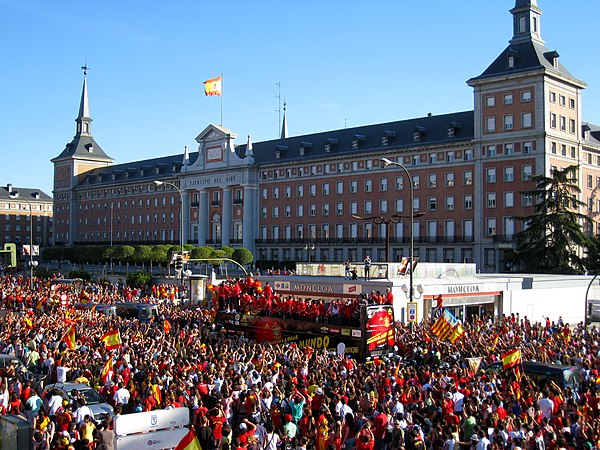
(295, 198)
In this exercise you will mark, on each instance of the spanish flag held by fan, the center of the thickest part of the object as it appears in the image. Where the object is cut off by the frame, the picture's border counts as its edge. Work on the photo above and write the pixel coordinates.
(512, 360)
(112, 339)
(166, 326)
(69, 338)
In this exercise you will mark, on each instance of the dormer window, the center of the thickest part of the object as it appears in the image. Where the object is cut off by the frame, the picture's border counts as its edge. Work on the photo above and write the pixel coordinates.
(279, 150)
(512, 58)
(304, 147)
(586, 131)
(453, 128)
(358, 140)
(388, 137)
(89, 148)
(552, 58)
(419, 134)
(330, 145)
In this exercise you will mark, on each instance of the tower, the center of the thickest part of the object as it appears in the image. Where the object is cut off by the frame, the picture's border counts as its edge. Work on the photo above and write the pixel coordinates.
(527, 120)
(79, 156)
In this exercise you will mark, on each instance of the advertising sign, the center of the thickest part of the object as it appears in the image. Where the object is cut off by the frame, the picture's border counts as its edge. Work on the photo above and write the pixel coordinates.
(412, 311)
(153, 441)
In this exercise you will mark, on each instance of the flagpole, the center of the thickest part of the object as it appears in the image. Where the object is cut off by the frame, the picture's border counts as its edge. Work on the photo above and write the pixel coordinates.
(221, 99)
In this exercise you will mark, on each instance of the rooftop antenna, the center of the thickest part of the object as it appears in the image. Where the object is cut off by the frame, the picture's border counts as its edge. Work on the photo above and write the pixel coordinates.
(278, 97)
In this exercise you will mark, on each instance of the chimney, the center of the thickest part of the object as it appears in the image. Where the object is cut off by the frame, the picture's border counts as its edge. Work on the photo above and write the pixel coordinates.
(9, 188)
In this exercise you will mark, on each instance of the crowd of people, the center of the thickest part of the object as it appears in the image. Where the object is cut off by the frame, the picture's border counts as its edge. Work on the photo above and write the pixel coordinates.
(241, 394)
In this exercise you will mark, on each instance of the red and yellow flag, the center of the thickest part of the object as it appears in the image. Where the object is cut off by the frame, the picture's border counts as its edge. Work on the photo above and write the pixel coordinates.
(511, 358)
(107, 370)
(442, 328)
(213, 87)
(457, 333)
(69, 338)
(189, 442)
(112, 339)
(166, 326)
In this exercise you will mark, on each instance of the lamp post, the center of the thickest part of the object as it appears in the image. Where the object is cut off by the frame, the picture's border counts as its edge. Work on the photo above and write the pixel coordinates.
(32, 263)
(309, 248)
(387, 162)
(394, 218)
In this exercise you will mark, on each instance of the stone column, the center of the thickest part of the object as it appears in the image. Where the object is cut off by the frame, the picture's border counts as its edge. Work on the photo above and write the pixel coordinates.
(185, 205)
(226, 224)
(250, 219)
(203, 217)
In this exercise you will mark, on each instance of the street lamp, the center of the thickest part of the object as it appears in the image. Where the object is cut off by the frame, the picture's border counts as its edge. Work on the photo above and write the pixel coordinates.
(394, 218)
(309, 248)
(160, 183)
(386, 162)
(32, 263)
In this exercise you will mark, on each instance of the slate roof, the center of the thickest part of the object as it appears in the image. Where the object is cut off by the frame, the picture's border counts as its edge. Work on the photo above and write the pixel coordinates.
(528, 56)
(24, 193)
(594, 136)
(433, 130)
(79, 146)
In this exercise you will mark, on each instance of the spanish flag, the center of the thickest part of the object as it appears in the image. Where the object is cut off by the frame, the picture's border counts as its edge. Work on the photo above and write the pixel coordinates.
(189, 442)
(213, 87)
(112, 339)
(107, 370)
(69, 338)
(166, 326)
(511, 358)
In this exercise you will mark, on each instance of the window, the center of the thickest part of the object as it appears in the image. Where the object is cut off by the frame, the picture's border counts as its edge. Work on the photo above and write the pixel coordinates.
(339, 187)
(449, 203)
(527, 172)
(490, 124)
(563, 123)
(368, 185)
(467, 201)
(325, 209)
(509, 199)
(508, 122)
(526, 96)
(572, 126)
(562, 100)
(590, 181)
(507, 99)
(553, 147)
(368, 207)
(509, 149)
(399, 205)
(491, 199)
(527, 148)
(509, 174)
(287, 192)
(491, 150)
(572, 103)
(432, 158)
(526, 200)
(432, 180)
(353, 207)
(450, 156)
(467, 178)
(339, 208)
(526, 120)
(275, 212)
(491, 175)
(449, 179)
(432, 204)
(325, 188)
(399, 181)
(491, 226)
(300, 191)
(553, 97)
(383, 185)
(552, 120)
(383, 206)
(275, 192)
(312, 190)
(353, 187)
(287, 211)
(312, 210)
(468, 155)
(490, 101)
(416, 204)
(263, 213)
(416, 181)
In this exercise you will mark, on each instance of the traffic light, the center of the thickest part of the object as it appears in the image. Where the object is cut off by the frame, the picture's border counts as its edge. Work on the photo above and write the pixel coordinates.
(179, 262)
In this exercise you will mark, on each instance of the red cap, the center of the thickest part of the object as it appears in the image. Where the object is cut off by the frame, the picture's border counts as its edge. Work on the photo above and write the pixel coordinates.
(288, 417)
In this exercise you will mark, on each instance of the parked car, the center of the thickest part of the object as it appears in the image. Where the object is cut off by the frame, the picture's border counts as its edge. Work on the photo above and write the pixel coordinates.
(93, 399)
(542, 373)
(11, 364)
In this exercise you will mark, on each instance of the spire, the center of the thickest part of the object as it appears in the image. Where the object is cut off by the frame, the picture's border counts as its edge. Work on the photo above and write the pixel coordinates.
(186, 157)
(84, 121)
(284, 130)
(526, 22)
(250, 150)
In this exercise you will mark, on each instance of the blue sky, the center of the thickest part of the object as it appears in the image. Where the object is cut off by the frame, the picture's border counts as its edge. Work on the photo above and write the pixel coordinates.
(340, 63)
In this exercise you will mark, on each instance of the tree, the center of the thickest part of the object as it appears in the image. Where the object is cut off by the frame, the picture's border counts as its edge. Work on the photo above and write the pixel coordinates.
(553, 239)
(592, 259)
(124, 253)
(242, 256)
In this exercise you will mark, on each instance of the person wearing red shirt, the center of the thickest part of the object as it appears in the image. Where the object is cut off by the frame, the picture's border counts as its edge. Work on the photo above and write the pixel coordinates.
(268, 290)
(247, 429)
(389, 297)
(380, 424)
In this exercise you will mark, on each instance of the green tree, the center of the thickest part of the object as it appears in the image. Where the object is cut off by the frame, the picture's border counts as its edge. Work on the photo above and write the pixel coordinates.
(158, 254)
(124, 253)
(228, 251)
(138, 279)
(242, 256)
(592, 259)
(553, 238)
(142, 254)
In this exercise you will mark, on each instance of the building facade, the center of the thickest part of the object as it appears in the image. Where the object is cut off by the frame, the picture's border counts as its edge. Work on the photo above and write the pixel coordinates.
(26, 216)
(304, 197)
